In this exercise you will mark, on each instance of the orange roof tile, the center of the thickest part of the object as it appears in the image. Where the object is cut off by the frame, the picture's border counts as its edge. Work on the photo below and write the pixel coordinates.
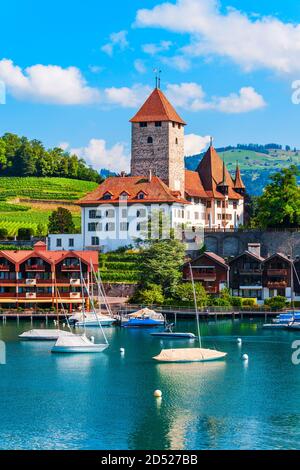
(155, 191)
(52, 257)
(157, 108)
(193, 185)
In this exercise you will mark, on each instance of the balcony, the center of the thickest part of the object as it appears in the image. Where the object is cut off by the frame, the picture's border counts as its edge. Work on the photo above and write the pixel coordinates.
(277, 272)
(75, 282)
(205, 276)
(30, 282)
(4, 268)
(75, 295)
(30, 295)
(277, 285)
(35, 267)
(8, 295)
(249, 287)
(70, 268)
(245, 271)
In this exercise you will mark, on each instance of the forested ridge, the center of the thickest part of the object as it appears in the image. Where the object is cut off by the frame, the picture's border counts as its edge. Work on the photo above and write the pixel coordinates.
(20, 156)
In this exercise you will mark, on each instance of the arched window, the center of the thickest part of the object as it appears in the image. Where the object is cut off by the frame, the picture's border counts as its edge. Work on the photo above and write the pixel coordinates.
(150, 140)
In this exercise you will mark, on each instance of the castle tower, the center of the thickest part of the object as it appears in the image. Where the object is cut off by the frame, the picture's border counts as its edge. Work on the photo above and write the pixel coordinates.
(158, 142)
(238, 182)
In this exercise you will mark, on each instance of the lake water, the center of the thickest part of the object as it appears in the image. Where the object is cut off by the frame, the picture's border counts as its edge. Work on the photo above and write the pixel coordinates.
(105, 401)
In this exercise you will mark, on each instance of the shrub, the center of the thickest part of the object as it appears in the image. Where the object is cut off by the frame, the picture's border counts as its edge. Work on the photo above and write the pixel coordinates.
(184, 294)
(25, 234)
(276, 303)
(152, 295)
(249, 302)
(3, 233)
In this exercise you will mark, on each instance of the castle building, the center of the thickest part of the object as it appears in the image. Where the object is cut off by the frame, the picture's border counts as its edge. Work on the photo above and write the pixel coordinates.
(121, 209)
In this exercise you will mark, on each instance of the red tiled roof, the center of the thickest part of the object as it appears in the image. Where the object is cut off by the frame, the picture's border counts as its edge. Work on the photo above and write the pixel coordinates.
(210, 170)
(52, 257)
(157, 108)
(193, 185)
(155, 191)
(213, 256)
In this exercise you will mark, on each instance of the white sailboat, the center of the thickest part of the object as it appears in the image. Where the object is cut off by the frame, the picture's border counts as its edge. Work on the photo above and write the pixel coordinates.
(81, 343)
(191, 354)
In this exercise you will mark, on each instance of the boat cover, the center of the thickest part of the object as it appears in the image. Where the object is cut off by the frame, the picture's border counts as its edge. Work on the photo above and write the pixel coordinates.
(189, 355)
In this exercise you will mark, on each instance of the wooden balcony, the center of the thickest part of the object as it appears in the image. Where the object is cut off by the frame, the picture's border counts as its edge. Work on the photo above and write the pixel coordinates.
(250, 272)
(70, 268)
(205, 276)
(277, 272)
(8, 295)
(35, 268)
(4, 268)
(277, 285)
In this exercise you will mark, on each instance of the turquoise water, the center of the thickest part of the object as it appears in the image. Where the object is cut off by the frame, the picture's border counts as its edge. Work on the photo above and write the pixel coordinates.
(105, 401)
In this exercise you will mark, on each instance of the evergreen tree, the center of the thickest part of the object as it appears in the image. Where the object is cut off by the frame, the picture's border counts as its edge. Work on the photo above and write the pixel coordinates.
(61, 221)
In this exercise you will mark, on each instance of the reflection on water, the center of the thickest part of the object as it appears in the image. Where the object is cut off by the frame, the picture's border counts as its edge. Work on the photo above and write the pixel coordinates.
(67, 401)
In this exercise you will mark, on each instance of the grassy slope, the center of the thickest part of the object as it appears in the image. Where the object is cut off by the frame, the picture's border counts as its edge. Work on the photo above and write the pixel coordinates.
(28, 202)
(256, 167)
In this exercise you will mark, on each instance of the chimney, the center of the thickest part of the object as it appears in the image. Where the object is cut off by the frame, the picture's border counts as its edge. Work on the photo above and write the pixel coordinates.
(254, 248)
(123, 174)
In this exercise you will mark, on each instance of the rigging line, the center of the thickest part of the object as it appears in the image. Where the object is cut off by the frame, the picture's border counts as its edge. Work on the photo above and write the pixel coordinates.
(82, 294)
(64, 310)
(196, 305)
(94, 310)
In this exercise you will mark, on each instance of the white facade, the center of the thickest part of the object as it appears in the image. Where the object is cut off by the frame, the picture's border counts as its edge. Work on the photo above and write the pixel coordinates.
(228, 214)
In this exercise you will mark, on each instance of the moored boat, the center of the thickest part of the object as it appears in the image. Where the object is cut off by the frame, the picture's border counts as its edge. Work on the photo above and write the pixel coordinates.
(168, 333)
(77, 344)
(143, 318)
(44, 335)
(90, 320)
(283, 320)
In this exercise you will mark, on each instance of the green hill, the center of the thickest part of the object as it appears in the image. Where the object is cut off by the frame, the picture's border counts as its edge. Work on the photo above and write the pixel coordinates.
(256, 167)
(28, 202)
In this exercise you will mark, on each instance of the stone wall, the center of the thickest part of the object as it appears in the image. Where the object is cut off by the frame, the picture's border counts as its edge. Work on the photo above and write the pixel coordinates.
(231, 244)
(119, 290)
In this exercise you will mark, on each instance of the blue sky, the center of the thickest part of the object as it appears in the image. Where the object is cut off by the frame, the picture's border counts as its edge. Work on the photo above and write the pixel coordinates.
(76, 72)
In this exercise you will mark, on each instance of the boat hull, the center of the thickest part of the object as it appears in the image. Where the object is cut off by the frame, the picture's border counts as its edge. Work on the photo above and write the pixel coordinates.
(189, 355)
(43, 335)
(79, 350)
(174, 335)
(144, 323)
(95, 324)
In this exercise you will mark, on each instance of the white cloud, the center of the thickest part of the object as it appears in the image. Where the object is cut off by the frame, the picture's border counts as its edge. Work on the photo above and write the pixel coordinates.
(195, 144)
(64, 146)
(117, 40)
(153, 49)
(250, 41)
(191, 96)
(49, 84)
(97, 154)
(246, 100)
(127, 97)
(139, 66)
(178, 62)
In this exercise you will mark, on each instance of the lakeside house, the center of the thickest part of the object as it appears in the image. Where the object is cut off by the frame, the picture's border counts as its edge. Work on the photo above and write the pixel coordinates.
(31, 279)
(124, 209)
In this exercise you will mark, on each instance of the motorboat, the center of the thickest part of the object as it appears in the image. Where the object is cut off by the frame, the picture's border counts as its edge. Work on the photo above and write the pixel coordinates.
(143, 318)
(293, 326)
(44, 335)
(168, 333)
(77, 344)
(91, 320)
(283, 320)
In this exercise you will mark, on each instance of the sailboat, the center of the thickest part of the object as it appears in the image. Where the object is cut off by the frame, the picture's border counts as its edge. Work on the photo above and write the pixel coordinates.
(49, 334)
(81, 343)
(85, 319)
(191, 354)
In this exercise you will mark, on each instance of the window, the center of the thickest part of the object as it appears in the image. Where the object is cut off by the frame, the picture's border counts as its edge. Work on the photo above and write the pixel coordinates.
(141, 195)
(173, 124)
(59, 243)
(141, 227)
(158, 124)
(150, 140)
(95, 241)
(143, 124)
(71, 242)
(176, 141)
(124, 213)
(110, 214)
(107, 196)
(110, 227)
(93, 227)
(196, 215)
(235, 205)
(208, 204)
(124, 196)
(94, 214)
(124, 226)
(218, 203)
(141, 213)
(179, 126)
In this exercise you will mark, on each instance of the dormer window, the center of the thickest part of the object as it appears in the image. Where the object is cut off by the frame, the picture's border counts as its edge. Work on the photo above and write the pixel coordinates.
(158, 124)
(124, 196)
(107, 196)
(150, 140)
(141, 195)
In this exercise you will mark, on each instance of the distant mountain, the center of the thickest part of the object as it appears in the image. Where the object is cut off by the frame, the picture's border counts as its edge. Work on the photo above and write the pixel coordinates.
(257, 162)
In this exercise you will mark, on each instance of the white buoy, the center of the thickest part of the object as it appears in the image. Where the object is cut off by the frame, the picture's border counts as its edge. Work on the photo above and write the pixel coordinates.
(239, 341)
(122, 350)
(93, 339)
(158, 394)
(245, 357)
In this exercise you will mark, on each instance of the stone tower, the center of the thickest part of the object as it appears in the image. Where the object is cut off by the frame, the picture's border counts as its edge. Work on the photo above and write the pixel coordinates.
(158, 142)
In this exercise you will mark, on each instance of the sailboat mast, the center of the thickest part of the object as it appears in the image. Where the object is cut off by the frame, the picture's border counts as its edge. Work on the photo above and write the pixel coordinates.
(196, 305)
(82, 294)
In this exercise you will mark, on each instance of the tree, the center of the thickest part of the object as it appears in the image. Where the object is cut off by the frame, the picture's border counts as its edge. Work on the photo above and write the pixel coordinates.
(161, 264)
(3, 159)
(184, 294)
(61, 221)
(279, 206)
(152, 295)
(276, 303)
